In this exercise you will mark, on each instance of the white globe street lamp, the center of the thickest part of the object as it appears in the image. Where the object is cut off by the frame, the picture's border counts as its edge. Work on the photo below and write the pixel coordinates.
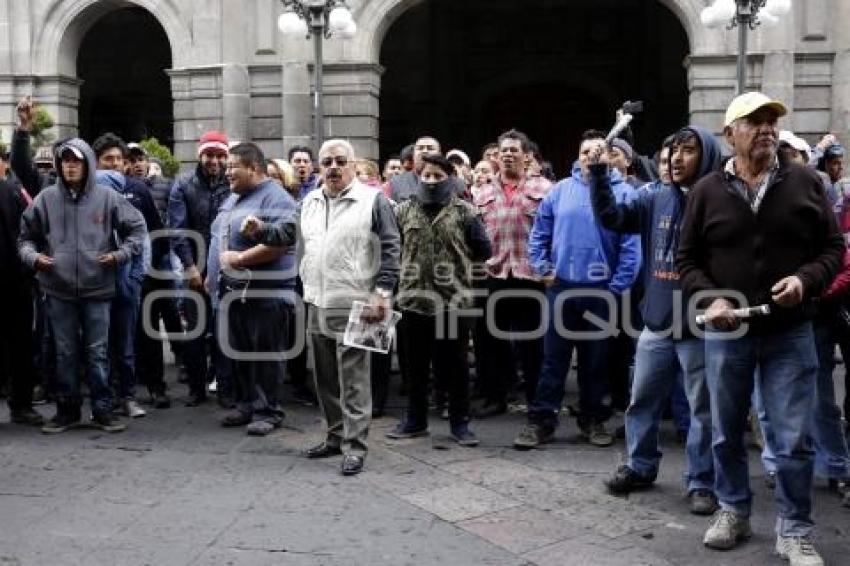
(319, 19)
(745, 15)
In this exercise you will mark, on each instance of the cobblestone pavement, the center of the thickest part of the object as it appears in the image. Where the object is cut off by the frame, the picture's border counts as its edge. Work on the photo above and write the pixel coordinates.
(178, 489)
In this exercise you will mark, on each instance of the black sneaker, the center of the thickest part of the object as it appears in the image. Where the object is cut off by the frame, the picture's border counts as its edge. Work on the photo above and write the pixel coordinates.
(626, 480)
(29, 417)
(106, 423)
(463, 436)
(407, 429)
(196, 399)
(303, 395)
(39, 395)
(59, 423)
(160, 400)
(703, 502)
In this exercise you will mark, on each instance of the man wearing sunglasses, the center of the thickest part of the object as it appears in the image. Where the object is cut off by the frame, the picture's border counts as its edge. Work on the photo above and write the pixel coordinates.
(351, 249)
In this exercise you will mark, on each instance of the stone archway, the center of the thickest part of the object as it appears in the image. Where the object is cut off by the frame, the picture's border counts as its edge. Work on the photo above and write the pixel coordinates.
(477, 77)
(57, 41)
(122, 62)
(377, 17)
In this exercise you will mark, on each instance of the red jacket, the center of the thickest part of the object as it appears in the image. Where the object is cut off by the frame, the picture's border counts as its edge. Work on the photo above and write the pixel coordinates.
(841, 284)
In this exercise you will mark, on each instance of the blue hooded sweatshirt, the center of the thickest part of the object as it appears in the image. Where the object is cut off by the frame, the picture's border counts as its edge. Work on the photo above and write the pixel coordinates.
(656, 214)
(567, 238)
(137, 267)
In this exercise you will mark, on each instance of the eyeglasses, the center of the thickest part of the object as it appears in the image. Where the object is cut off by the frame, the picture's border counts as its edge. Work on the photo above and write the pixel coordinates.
(340, 160)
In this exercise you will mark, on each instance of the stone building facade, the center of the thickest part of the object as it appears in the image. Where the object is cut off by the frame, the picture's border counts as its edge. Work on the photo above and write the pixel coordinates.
(232, 69)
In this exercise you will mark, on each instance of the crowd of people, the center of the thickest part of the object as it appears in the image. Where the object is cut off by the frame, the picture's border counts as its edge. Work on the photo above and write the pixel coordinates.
(250, 265)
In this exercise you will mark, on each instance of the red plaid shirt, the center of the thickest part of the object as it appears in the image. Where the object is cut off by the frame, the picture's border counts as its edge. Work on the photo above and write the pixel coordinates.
(508, 223)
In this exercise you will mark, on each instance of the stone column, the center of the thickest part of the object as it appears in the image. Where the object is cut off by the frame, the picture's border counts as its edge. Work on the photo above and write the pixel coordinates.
(297, 113)
(197, 93)
(711, 82)
(778, 76)
(840, 118)
(236, 101)
(351, 105)
(840, 112)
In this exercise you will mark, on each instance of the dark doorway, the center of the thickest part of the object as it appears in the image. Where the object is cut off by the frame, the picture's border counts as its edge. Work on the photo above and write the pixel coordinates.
(466, 71)
(122, 61)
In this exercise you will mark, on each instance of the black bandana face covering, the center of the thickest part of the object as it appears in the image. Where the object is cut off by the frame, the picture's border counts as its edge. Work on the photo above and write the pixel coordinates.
(436, 193)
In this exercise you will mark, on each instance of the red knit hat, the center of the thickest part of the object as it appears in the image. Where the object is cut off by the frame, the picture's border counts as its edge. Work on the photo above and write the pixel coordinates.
(214, 142)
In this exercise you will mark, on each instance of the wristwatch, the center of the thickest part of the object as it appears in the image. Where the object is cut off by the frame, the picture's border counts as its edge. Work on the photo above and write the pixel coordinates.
(383, 293)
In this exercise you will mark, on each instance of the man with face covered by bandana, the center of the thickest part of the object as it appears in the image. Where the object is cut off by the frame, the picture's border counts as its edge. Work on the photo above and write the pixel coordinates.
(441, 239)
(192, 206)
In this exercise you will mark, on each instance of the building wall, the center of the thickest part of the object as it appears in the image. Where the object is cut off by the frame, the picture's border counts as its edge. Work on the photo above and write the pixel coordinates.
(233, 70)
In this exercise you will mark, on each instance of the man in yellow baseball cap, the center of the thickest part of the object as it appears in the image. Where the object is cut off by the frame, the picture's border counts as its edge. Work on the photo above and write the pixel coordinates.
(741, 216)
(750, 102)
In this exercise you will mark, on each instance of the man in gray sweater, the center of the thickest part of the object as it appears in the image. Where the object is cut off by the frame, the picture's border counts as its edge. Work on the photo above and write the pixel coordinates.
(75, 236)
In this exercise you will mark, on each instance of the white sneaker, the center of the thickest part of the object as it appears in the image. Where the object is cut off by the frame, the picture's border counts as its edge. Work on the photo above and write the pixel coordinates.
(727, 530)
(798, 551)
(133, 410)
(213, 386)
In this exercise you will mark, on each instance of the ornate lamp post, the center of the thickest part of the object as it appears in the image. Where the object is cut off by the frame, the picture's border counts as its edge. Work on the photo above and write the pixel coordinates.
(319, 19)
(747, 15)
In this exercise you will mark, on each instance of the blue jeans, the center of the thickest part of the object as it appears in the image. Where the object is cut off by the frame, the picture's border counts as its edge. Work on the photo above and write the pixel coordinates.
(787, 368)
(832, 459)
(658, 363)
(557, 351)
(680, 406)
(122, 338)
(69, 319)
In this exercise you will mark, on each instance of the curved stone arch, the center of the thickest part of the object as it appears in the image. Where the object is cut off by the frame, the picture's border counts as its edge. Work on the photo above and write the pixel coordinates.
(378, 16)
(58, 39)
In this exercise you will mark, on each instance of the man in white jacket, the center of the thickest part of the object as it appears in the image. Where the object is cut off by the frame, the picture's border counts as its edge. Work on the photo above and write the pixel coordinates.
(351, 249)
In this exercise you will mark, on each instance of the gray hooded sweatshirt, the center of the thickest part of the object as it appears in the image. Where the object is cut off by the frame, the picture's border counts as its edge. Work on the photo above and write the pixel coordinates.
(76, 231)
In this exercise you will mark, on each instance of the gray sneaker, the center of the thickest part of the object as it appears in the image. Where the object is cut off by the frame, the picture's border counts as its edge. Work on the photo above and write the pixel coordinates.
(133, 410)
(532, 436)
(798, 551)
(597, 435)
(260, 428)
(727, 530)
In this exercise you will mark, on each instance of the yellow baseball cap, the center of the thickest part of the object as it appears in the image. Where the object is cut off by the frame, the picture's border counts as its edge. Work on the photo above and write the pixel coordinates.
(745, 104)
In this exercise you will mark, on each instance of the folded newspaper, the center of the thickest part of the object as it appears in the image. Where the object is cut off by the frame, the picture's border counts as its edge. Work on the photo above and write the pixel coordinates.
(372, 336)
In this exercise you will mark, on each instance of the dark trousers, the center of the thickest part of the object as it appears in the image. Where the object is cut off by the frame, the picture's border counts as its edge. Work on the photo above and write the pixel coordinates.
(123, 319)
(43, 346)
(623, 350)
(380, 376)
(513, 314)
(16, 346)
(296, 368)
(258, 328)
(196, 351)
(593, 354)
(844, 344)
(149, 359)
(449, 358)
